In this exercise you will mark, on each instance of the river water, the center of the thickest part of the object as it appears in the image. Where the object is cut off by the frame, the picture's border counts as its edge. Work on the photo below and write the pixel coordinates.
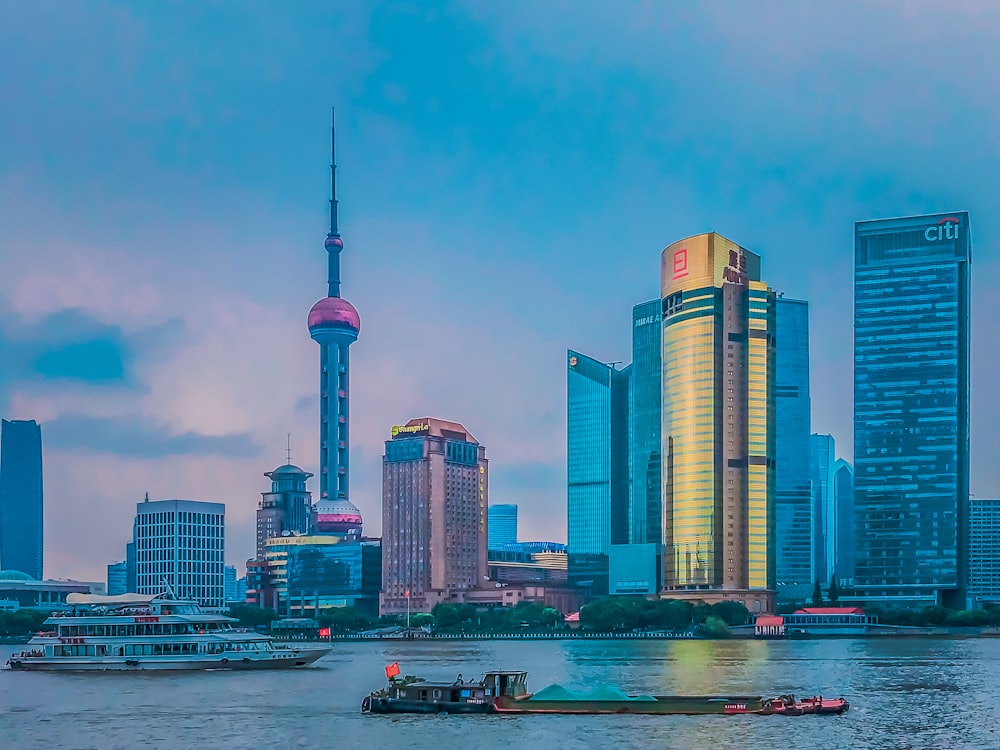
(905, 693)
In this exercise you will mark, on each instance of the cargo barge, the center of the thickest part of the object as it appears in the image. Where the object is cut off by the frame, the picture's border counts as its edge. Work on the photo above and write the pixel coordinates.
(503, 692)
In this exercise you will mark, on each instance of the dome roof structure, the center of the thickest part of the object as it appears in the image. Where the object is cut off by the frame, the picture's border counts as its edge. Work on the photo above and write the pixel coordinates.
(337, 517)
(335, 313)
(14, 575)
(288, 469)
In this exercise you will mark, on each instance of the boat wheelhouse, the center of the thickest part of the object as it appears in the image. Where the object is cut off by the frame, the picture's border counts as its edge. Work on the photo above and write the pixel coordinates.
(139, 632)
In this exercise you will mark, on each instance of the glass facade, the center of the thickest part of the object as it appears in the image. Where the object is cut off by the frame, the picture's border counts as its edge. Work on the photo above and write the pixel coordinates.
(718, 402)
(502, 527)
(822, 462)
(984, 551)
(792, 494)
(645, 485)
(597, 467)
(21, 520)
(181, 543)
(843, 500)
(911, 407)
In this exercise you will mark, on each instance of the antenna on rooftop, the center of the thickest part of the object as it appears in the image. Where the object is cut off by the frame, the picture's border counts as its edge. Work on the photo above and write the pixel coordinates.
(288, 448)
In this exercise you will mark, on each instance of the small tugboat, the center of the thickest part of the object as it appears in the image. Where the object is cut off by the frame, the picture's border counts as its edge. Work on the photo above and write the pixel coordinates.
(504, 692)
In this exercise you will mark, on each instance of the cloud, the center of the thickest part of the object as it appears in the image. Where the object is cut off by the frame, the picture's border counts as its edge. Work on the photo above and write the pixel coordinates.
(508, 175)
(134, 437)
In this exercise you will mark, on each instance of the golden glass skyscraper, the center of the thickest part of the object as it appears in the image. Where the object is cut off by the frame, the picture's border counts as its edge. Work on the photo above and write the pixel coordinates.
(717, 423)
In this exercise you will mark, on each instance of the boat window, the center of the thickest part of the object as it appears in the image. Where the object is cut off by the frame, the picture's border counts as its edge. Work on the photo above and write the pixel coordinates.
(422, 695)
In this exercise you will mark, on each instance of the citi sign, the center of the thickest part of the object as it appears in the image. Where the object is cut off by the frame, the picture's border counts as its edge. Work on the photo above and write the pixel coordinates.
(946, 229)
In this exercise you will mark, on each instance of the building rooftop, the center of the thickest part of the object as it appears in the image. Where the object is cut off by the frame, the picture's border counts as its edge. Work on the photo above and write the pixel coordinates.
(14, 575)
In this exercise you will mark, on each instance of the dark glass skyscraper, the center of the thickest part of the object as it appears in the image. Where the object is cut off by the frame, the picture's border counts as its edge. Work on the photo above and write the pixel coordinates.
(822, 465)
(597, 459)
(791, 451)
(21, 520)
(911, 407)
(645, 389)
(843, 501)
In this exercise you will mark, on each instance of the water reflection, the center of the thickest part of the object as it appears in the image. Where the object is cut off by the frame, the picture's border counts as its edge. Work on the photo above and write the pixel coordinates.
(905, 693)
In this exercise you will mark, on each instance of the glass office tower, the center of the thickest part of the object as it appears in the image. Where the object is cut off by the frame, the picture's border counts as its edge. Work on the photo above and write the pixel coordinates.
(597, 464)
(792, 495)
(822, 465)
(645, 486)
(502, 526)
(718, 436)
(843, 501)
(911, 407)
(21, 519)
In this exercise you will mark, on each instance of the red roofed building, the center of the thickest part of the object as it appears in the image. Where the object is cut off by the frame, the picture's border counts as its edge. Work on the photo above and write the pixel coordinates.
(769, 626)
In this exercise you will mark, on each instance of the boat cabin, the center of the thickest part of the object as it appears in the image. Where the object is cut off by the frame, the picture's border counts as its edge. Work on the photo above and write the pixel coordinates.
(461, 691)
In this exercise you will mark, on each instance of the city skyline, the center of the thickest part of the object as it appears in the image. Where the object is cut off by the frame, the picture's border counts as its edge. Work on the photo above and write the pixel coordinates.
(157, 335)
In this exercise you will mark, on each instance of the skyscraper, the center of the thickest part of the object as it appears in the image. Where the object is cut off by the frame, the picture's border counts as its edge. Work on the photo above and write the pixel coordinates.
(792, 495)
(597, 468)
(645, 485)
(822, 460)
(911, 407)
(843, 501)
(435, 494)
(718, 432)
(334, 324)
(286, 508)
(21, 519)
(984, 551)
(117, 578)
(229, 584)
(181, 543)
(502, 525)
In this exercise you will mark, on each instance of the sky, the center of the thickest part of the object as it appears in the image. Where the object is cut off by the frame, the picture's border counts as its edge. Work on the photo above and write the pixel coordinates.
(508, 174)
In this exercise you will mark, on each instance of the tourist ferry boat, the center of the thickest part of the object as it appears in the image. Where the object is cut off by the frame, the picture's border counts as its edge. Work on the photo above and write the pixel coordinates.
(507, 693)
(138, 632)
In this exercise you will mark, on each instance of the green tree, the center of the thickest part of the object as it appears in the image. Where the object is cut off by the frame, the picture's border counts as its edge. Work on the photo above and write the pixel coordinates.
(671, 614)
(731, 613)
(21, 622)
(345, 620)
(700, 613)
(551, 617)
(817, 597)
(529, 613)
(933, 615)
(251, 616)
(833, 592)
(450, 616)
(967, 618)
(605, 614)
(713, 627)
(422, 619)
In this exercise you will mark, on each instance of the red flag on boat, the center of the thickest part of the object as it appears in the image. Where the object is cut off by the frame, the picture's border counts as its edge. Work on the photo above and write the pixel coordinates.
(392, 670)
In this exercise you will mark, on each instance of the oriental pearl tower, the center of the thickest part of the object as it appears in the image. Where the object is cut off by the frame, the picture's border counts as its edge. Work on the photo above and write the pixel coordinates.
(334, 325)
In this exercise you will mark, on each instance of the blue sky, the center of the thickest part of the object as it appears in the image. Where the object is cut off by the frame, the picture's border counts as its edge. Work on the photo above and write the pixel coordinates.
(508, 175)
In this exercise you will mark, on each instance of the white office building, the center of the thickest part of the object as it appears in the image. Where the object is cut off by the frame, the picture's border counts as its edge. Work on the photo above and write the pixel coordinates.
(181, 543)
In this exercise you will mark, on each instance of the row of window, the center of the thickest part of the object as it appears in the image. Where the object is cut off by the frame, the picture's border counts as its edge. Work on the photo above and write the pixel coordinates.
(131, 630)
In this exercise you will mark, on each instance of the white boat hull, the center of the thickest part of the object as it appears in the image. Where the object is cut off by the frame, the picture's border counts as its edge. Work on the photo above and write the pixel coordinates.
(277, 659)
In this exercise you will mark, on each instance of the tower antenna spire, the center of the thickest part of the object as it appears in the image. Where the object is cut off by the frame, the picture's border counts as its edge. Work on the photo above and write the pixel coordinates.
(334, 230)
(288, 448)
